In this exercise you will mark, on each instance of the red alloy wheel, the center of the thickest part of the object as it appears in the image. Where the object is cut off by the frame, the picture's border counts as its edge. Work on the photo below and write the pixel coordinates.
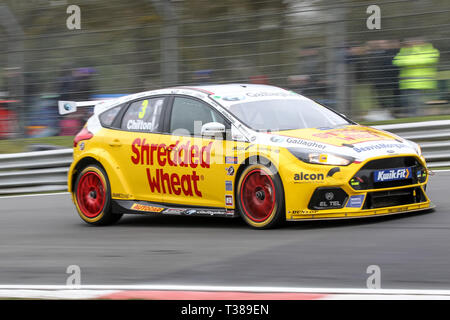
(91, 194)
(258, 195)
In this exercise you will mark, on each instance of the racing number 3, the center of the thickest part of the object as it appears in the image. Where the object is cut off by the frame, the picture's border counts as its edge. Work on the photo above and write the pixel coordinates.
(144, 109)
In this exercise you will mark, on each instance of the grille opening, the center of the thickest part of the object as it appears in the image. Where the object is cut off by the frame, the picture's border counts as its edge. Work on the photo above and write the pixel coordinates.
(364, 178)
(383, 199)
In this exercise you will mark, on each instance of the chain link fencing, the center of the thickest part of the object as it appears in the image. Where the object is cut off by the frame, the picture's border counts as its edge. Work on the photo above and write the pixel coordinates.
(326, 50)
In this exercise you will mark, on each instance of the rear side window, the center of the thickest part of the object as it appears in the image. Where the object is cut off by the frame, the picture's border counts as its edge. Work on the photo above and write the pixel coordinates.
(107, 117)
(143, 115)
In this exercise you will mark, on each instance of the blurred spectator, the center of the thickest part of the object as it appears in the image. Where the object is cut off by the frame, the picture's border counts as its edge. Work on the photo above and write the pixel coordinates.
(310, 79)
(83, 84)
(259, 79)
(417, 61)
(381, 73)
(75, 85)
(65, 84)
(44, 117)
(356, 53)
(202, 77)
(8, 118)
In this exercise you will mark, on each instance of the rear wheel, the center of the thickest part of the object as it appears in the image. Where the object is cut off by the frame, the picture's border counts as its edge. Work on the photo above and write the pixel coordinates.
(93, 197)
(260, 197)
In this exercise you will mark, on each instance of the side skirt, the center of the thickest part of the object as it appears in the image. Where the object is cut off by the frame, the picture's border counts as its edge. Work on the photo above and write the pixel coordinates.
(145, 207)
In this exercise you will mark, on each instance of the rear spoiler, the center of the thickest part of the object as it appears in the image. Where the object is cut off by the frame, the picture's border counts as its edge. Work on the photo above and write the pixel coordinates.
(66, 107)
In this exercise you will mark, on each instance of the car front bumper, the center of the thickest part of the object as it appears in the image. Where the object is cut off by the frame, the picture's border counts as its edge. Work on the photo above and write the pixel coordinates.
(306, 185)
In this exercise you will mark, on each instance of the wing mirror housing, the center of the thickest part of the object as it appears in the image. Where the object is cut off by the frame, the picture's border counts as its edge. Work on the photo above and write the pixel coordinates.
(213, 129)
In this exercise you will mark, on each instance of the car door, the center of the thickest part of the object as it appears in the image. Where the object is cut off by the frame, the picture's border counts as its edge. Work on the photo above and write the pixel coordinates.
(135, 145)
(194, 173)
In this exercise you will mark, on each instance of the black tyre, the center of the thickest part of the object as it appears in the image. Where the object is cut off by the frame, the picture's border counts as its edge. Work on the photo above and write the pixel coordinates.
(260, 197)
(92, 196)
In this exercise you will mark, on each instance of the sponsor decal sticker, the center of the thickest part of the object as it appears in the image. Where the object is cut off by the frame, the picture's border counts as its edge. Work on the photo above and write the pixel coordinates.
(392, 174)
(329, 196)
(268, 94)
(381, 146)
(310, 144)
(174, 155)
(276, 139)
(211, 212)
(233, 98)
(143, 110)
(228, 200)
(330, 204)
(230, 171)
(304, 211)
(139, 125)
(229, 212)
(421, 174)
(350, 135)
(304, 177)
(355, 201)
(228, 185)
(121, 195)
(142, 207)
(173, 211)
(231, 160)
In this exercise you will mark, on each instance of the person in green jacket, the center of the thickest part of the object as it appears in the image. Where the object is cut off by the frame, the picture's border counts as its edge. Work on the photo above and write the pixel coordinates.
(417, 62)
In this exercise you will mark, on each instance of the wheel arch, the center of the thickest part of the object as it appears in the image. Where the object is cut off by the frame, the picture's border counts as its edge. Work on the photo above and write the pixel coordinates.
(117, 180)
(255, 159)
(82, 163)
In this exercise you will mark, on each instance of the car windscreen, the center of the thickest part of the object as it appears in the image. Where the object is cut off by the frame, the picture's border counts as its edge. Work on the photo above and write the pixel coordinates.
(285, 114)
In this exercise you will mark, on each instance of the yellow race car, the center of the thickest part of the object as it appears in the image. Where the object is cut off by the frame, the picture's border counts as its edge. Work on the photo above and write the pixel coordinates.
(259, 152)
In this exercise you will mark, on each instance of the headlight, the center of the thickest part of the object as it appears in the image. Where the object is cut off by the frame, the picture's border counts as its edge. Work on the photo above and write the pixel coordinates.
(326, 158)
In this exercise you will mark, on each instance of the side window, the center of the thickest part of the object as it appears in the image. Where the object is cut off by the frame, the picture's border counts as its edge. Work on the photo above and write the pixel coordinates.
(107, 117)
(189, 115)
(143, 115)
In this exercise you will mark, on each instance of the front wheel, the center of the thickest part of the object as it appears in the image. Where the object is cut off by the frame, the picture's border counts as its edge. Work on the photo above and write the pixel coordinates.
(93, 197)
(260, 197)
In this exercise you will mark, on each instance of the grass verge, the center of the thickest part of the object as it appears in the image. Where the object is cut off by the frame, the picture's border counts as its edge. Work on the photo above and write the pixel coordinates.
(23, 145)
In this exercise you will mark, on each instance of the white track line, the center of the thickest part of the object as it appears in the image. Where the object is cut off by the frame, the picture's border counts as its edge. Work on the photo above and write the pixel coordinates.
(157, 287)
(35, 195)
(54, 294)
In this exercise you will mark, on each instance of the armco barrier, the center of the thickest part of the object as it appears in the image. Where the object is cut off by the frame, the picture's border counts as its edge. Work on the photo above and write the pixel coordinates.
(40, 171)
(45, 171)
(432, 136)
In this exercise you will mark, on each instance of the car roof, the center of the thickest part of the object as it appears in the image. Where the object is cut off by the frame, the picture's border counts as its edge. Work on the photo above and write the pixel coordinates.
(234, 88)
(215, 90)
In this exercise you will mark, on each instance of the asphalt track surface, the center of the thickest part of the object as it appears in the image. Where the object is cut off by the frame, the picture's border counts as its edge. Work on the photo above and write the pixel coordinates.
(41, 236)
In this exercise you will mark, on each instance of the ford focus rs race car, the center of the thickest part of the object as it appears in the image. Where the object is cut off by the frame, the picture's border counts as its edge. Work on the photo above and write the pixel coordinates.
(259, 152)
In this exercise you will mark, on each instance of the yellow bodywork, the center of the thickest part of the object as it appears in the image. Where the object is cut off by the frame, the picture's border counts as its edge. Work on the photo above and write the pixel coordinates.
(142, 166)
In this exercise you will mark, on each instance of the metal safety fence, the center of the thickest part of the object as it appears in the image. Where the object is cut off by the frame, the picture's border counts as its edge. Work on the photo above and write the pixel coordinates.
(46, 171)
(332, 51)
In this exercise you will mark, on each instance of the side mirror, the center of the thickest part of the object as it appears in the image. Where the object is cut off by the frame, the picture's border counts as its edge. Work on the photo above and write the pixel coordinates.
(213, 129)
